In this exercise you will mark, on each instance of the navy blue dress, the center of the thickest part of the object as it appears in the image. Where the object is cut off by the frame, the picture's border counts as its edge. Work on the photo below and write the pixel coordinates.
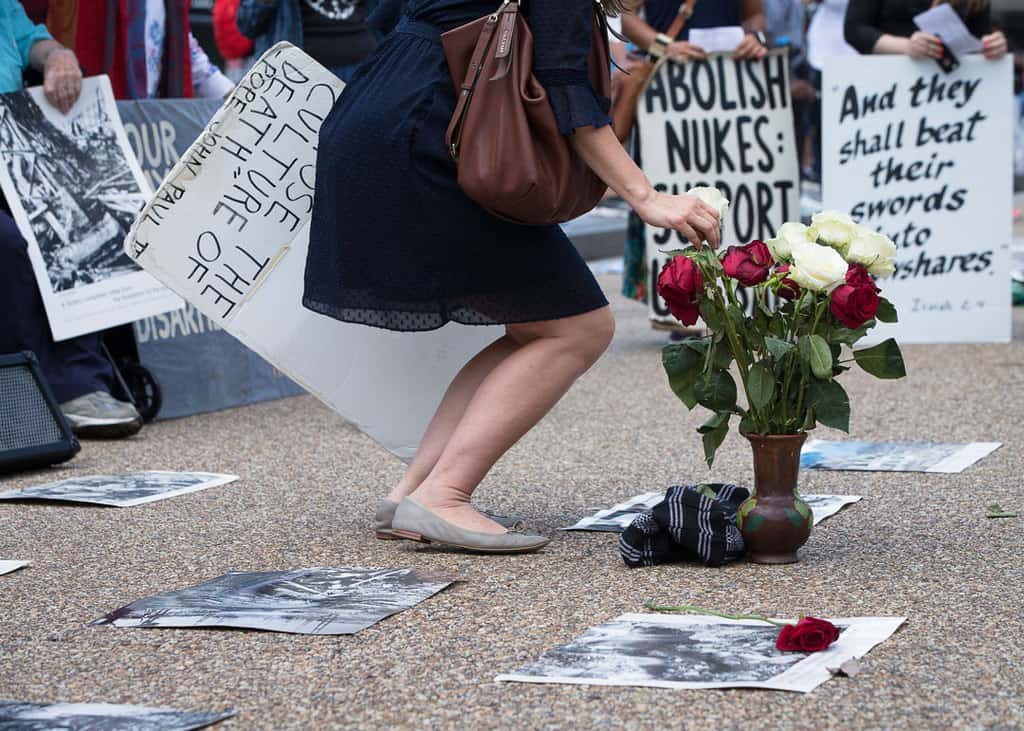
(394, 242)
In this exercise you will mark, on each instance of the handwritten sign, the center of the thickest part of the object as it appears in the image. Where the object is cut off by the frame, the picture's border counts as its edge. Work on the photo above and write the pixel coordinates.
(924, 157)
(728, 124)
(229, 230)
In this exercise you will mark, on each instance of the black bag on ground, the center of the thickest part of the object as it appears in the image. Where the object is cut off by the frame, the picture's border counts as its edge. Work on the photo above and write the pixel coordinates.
(693, 522)
(33, 430)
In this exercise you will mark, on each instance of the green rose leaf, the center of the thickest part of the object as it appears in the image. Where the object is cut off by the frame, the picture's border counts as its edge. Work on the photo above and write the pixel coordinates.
(817, 354)
(713, 439)
(761, 384)
(717, 392)
(711, 314)
(778, 348)
(886, 311)
(738, 319)
(723, 355)
(849, 337)
(883, 360)
(683, 366)
(698, 344)
(830, 404)
(716, 420)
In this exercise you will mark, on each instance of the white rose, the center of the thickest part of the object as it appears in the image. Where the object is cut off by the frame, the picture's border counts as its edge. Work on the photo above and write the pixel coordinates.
(790, 234)
(833, 228)
(713, 197)
(817, 268)
(873, 250)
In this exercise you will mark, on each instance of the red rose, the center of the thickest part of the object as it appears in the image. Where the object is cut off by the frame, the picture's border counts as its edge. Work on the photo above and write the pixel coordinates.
(750, 264)
(808, 635)
(855, 302)
(858, 276)
(787, 287)
(680, 284)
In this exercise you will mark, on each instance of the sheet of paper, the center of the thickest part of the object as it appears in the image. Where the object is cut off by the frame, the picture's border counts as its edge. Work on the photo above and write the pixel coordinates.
(74, 186)
(722, 39)
(315, 601)
(7, 567)
(618, 517)
(698, 651)
(121, 491)
(820, 454)
(943, 22)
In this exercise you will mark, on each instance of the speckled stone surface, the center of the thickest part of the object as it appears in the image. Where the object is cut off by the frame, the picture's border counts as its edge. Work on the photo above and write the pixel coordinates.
(917, 545)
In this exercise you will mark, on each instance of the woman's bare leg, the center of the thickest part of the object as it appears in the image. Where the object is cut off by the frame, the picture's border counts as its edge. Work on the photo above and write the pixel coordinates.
(508, 402)
(449, 412)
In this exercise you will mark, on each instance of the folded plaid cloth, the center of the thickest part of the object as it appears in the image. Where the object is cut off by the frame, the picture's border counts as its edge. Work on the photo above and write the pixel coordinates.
(692, 522)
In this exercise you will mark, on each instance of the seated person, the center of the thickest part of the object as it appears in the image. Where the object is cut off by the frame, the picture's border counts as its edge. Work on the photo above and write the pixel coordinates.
(76, 370)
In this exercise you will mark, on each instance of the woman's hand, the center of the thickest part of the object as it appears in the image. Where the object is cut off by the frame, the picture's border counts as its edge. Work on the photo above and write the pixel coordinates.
(683, 50)
(62, 79)
(994, 46)
(749, 48)
(687, 214)
(925, 45)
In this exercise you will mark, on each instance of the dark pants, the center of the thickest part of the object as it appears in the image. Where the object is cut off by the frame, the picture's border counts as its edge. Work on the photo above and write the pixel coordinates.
(72, 367)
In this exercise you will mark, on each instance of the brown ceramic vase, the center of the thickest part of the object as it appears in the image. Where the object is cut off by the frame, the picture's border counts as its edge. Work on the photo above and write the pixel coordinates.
(774, 520)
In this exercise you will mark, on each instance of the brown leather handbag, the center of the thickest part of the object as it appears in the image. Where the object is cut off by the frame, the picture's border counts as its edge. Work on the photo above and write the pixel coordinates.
(503, 136)
(629, 83)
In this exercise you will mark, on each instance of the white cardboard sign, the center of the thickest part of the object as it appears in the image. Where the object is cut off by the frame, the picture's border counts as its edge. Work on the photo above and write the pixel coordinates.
(924, 157)
(229, 229)
(728, 124)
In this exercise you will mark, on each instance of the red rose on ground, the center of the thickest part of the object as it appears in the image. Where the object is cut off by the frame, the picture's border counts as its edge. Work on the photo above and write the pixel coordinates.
(808, 635)
(750, 264)
(855, 302)
(788, 289)
(681, 284)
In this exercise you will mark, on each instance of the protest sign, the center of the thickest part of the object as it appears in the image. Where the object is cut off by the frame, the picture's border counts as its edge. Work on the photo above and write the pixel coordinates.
(229, 230)
(923, 156)
(176, 346)
(728, 124)
(74, 187)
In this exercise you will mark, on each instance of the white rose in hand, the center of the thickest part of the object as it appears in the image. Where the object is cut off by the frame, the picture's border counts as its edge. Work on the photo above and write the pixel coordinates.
(817, 268)
(832, 228)
(790, 234)
(872, 250)
(713, 197)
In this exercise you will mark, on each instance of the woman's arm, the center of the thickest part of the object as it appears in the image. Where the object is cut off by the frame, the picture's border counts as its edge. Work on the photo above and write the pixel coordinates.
(254, 17)
(640, 33)
(862, 32)
(688, 215)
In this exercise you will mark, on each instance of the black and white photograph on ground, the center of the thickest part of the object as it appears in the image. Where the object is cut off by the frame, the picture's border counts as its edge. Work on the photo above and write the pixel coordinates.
(311, 601)
(693, 651)
(74, 188)
(7, 567)
(16, 716)
(617, 518)
(121, 491)
(819, 454)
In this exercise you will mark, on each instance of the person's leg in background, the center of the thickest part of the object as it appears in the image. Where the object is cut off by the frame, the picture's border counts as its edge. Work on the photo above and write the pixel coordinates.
(75, 369)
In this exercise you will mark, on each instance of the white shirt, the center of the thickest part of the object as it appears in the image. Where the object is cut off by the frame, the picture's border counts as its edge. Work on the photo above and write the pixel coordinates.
(825, 34)
(207, 79)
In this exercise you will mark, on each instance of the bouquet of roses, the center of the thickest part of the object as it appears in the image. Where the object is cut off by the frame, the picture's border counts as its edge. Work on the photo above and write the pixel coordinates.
(787, 357)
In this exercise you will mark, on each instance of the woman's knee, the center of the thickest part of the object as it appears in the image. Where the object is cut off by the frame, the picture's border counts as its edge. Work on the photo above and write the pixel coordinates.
(588, 334)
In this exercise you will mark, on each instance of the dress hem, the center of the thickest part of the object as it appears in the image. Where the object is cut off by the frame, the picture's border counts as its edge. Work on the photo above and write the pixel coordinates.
(334, 312)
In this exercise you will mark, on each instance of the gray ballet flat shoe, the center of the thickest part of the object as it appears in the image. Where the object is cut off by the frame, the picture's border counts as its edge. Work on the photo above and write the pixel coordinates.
(415, 523)
(382, 520)
(386, 514)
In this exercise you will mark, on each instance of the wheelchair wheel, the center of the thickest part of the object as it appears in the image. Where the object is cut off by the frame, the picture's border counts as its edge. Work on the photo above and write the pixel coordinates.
(144, 388)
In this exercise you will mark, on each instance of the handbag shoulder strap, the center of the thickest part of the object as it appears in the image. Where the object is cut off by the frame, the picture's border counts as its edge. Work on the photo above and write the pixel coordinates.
(465, 91)
(679, 22)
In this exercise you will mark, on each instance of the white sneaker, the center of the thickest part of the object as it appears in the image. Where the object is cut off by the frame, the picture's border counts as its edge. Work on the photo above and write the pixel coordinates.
(100, 415)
